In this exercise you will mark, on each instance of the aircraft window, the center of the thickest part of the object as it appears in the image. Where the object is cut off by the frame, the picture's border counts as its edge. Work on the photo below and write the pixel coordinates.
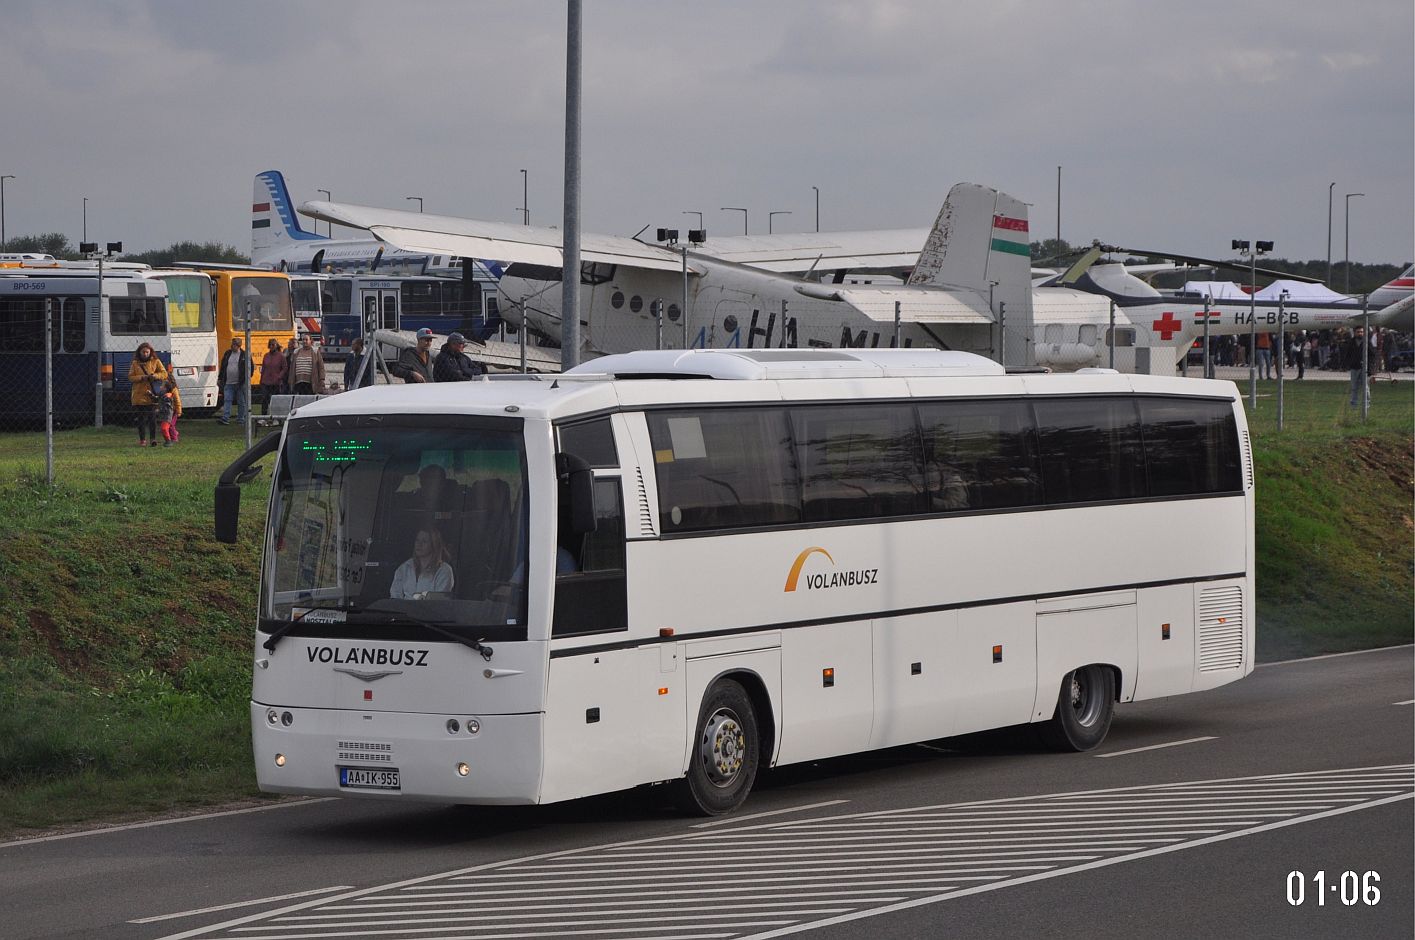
(729, 323)
(1051, 333)
(596, 272)
(617, 300)
(1090, 449)
(1088, 334)
(674, 313)
(636, 303)
(535, 272)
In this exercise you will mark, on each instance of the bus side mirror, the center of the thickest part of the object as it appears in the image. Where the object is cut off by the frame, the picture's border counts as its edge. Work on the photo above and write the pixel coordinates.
(228, 511)
(576, 492)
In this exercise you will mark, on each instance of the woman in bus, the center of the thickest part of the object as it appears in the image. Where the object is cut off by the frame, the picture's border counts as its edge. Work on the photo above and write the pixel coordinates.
(145, 370)
(427, 572)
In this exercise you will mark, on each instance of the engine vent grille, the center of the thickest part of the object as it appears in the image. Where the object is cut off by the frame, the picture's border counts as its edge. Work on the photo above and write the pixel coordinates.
(1221, 629)
(645, 512)
(377, 752)
(1247, 461)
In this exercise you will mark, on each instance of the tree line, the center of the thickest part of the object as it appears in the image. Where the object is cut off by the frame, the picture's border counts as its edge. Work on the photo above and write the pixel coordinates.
(1364, 278)
(58, 245)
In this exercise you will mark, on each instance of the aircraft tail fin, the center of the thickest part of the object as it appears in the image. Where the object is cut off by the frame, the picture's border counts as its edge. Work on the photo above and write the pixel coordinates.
(274, 223)
(979, 242)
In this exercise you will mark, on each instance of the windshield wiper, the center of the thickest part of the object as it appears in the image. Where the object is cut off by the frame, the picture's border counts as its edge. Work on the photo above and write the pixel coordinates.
(388, 617)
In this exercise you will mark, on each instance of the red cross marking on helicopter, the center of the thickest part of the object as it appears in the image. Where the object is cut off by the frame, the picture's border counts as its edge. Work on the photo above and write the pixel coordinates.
(1166, 326)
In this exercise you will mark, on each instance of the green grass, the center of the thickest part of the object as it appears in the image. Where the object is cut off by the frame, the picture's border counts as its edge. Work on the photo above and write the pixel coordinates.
(1334, 529)
(125, 629)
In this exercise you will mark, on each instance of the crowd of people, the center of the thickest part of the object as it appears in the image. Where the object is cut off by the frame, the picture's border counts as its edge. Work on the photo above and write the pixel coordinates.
(299, 369)
(1310, 349)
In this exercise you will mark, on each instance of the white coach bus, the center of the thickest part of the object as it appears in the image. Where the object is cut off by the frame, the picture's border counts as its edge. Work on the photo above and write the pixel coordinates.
(684, 567)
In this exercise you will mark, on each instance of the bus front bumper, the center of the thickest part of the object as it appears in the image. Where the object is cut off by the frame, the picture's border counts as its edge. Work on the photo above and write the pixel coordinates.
(397, 755)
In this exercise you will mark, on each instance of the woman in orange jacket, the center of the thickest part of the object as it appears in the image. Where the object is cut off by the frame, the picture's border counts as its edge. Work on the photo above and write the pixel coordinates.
(147, 374)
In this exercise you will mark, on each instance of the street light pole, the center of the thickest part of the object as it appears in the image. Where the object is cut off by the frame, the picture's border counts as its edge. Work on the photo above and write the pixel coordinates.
(525, 198)
(418, 198)
(570, 266)
(818, 207)
(7, 176)
(1330, 190)
(772, 215)
(1347, 225)
(85, 238)
(700, 223)
(329, 197)
(737, 209)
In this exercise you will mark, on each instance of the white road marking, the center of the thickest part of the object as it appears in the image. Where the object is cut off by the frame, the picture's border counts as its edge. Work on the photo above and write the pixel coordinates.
(773, 878)
(1312, 659)
(775, 812)
(1156, 747)
(166, 822)
(227, 907)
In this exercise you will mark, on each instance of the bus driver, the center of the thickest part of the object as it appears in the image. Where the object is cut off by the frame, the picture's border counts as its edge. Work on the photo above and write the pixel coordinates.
(427, 572)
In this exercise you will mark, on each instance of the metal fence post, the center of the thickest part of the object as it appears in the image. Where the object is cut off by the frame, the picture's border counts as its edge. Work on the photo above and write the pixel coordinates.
(1281, 353)
(49, 391)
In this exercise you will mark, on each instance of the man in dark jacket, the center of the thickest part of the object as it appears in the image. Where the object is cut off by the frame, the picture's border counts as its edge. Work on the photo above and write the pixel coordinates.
(235, 377)
(414, 365)
(452, 364)
(358, 360)
(1351, 360)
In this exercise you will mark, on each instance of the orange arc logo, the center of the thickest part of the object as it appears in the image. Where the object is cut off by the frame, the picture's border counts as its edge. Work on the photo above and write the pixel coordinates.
(801, 560)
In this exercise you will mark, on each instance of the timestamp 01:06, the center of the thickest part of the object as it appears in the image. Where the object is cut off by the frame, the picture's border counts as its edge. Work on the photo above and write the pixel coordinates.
(1351, 888)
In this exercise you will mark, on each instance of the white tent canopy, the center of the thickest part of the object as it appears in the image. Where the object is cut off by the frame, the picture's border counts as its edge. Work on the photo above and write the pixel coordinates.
(1302, 292)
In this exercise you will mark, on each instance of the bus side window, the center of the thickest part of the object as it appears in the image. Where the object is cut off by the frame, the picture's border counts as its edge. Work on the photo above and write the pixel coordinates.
(591, 597)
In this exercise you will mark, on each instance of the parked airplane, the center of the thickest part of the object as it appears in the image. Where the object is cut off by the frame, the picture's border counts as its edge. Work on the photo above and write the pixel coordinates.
(280, 243)
(725, 294)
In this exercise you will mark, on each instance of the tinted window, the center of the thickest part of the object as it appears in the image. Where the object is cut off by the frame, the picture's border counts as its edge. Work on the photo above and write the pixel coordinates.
(421, 299)
(592, 441)
(21, 324)
(134, 316)
(979, 455)
(1190, 447)
(338, 295)
(858, 461)
(267, 299)
(74, 329)
(724, 468)
(590, 590)
(1090, 449)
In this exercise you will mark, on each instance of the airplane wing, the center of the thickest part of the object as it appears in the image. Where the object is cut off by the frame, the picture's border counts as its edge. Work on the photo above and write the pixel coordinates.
(821, 251)
(472, 238)
(916, 304)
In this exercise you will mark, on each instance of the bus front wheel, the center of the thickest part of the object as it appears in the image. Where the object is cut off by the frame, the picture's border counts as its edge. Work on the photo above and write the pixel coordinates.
(725, 755)
(1084, 709)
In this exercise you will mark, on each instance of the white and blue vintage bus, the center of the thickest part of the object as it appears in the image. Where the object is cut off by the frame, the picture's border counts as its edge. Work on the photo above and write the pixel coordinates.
(95, 333)
(686, 567)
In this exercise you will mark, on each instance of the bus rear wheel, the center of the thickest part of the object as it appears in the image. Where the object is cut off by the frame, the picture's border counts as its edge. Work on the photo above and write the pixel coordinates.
(1084, 709)
(726, 752)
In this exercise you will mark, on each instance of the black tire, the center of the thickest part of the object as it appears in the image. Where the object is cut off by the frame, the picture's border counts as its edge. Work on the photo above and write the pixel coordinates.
(1084, 708)
(725, 754)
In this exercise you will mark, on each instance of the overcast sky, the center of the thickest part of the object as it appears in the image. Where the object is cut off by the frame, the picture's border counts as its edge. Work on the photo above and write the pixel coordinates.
(1179, 126)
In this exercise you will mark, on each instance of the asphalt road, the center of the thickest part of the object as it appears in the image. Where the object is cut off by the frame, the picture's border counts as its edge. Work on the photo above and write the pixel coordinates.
(1188, 821)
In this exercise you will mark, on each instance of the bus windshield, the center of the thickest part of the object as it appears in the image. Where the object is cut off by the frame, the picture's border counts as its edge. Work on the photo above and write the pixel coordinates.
(382, 523)
(269, 299)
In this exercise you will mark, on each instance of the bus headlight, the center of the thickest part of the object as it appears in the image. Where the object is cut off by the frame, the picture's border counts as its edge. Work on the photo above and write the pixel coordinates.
(452, 726)
(279, 760)
(287, 719)
(473, 726)
(272, 717)
(463, 769)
